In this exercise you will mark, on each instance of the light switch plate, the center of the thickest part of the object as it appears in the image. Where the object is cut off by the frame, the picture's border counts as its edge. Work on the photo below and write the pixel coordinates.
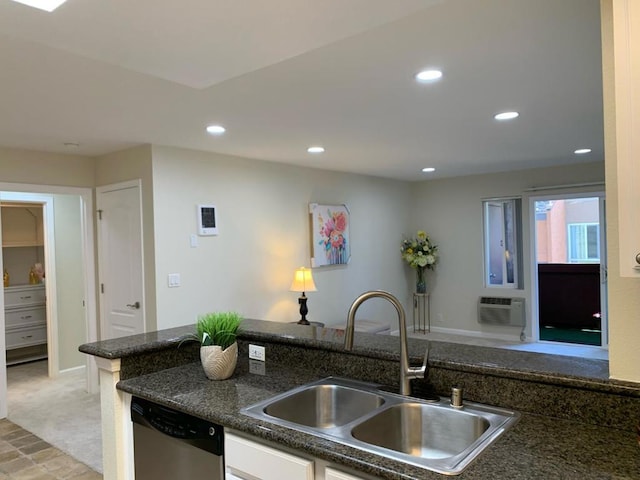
(173, 280)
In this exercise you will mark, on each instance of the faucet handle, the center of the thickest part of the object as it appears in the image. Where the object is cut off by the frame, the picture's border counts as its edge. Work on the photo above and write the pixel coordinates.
(420, 372)
(425, 362)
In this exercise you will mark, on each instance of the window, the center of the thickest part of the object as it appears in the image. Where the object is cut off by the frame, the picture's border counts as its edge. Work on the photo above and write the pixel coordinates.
(584, 242)
(503, 242)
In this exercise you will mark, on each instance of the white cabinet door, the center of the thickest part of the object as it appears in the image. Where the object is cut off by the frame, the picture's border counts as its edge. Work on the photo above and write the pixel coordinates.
(249, 460)
(626, 124)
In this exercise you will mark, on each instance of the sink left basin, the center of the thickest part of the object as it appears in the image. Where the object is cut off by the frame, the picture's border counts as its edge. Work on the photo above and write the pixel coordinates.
(324, 406)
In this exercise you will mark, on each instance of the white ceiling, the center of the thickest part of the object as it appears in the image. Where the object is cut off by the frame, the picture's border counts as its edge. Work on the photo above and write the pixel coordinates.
(285, 74)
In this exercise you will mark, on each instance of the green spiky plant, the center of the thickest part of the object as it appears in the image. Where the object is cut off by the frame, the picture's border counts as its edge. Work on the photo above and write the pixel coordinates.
(219, 328)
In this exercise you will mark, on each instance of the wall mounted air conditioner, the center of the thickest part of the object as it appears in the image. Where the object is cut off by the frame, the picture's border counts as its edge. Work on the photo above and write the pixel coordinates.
(501, 311)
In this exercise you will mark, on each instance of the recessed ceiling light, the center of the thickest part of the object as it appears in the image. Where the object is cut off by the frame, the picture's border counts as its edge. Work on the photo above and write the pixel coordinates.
(506, 115)
(216, 129)
(315, 149)
(427, 76)
(428, 169)
(582, 151)
(46, 5)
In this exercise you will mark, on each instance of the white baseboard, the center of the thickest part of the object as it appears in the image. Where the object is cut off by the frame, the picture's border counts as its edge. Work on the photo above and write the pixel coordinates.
(72, 370)
(476, 334)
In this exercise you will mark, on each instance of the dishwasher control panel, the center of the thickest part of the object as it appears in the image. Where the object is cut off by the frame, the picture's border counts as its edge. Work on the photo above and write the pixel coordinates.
(196, 431)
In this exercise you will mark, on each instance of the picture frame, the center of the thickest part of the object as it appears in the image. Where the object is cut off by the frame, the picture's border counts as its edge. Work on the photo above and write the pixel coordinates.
(330, 234)
(207, 220)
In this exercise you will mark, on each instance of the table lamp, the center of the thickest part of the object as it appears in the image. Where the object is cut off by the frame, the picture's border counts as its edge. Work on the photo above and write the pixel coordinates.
(303, 282)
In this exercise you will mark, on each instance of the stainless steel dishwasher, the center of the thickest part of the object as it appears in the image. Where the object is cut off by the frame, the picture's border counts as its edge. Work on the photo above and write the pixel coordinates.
(168, 444)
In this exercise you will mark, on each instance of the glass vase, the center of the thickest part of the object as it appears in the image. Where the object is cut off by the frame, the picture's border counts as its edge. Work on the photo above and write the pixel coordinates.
(421, 285)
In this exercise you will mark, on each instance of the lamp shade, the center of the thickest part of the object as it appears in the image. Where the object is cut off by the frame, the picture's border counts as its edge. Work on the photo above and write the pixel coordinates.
(303, 281)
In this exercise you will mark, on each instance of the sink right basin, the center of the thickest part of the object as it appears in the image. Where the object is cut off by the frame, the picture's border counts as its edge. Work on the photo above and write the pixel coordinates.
(421, 430)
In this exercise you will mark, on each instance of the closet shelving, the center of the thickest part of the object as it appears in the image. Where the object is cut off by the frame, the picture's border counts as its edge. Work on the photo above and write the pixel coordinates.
(24, 303)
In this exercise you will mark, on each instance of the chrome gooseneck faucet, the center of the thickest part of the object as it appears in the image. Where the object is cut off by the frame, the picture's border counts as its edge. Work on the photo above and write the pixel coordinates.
(406, 372)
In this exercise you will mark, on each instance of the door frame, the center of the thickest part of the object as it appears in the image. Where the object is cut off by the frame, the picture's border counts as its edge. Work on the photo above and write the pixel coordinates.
(101, 280)
(47, 203)
(535, 313)
(87, 231)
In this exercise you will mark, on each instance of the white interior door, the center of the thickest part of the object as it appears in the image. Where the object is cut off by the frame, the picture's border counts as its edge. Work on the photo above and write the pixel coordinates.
(120, 260)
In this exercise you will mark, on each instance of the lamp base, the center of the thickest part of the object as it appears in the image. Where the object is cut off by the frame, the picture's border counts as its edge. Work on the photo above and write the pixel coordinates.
(302, 301)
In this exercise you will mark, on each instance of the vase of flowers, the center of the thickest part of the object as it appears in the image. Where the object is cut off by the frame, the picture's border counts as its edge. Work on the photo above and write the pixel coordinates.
(420, 254)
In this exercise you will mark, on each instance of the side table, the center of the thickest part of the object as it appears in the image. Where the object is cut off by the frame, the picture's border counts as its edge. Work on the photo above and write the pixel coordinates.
(312, 324)
(421, 314)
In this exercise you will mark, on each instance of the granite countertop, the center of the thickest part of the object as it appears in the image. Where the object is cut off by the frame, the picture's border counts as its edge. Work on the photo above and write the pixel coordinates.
(536, 447)
(552, 369)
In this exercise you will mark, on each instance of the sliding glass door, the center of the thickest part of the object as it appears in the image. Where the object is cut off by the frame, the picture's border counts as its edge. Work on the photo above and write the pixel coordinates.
(570, 269)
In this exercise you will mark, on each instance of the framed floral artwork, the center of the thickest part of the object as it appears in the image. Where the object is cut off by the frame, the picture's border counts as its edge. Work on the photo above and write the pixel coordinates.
(330, 242)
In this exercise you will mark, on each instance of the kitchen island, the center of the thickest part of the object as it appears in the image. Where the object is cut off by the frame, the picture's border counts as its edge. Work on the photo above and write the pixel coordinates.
(577, 424)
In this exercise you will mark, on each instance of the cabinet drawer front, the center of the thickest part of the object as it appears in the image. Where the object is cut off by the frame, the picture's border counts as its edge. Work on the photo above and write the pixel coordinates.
(25, 316)
(331, 474)
(247, 459)
(17, 297)
(25, 337)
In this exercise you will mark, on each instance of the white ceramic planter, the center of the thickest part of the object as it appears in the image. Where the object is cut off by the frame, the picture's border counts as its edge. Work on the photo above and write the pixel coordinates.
(219, 364)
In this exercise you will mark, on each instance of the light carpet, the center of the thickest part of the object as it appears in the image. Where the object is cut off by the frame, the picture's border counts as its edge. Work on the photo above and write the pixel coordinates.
(59, 411)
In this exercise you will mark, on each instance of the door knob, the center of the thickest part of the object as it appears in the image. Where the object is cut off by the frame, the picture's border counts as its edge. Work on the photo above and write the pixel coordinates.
(134, 305)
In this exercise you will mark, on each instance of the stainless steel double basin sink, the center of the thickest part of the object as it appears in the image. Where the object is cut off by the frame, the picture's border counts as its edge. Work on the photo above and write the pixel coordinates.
(432, 435)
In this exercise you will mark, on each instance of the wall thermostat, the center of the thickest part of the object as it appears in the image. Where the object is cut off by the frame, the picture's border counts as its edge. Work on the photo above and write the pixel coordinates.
(207, 220)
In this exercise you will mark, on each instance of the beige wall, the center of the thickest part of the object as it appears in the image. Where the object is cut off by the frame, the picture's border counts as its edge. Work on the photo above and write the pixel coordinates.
(212, 277)
(132, 164)
(39, 168)
(264, 235)
(450, 210)
(72, 328)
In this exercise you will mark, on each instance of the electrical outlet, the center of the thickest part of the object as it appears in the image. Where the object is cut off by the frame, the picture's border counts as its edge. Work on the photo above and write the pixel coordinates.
(439, 318)
(256, 352)
(257, 368)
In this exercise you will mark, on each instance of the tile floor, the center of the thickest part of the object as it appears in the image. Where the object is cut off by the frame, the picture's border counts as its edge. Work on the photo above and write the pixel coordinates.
(59, 412)
(24, 456)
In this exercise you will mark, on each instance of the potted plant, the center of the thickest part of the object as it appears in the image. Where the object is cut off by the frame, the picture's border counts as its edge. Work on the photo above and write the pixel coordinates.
(216, 333)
